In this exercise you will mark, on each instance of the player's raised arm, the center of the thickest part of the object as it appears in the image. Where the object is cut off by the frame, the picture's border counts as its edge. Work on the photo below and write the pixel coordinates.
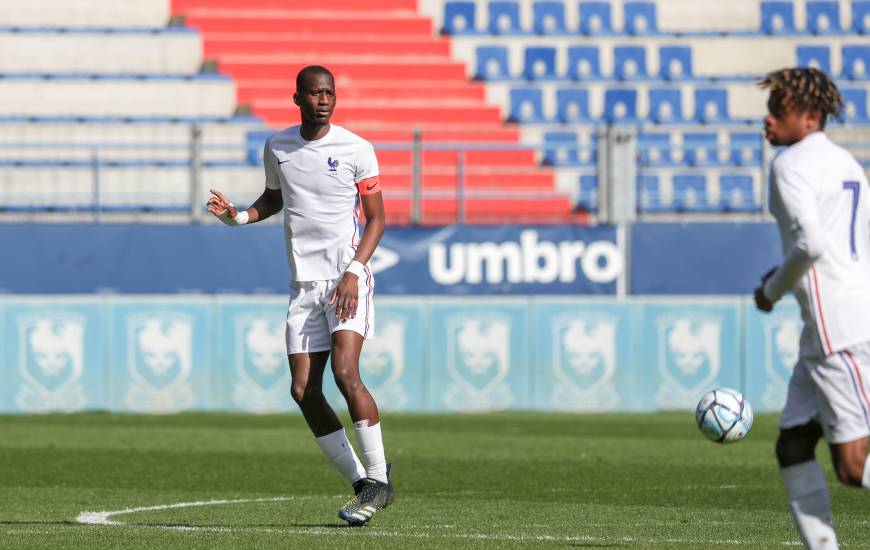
(267, 204)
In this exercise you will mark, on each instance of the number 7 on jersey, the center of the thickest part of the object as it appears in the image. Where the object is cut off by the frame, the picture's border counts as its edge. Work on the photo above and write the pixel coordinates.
(855, 188)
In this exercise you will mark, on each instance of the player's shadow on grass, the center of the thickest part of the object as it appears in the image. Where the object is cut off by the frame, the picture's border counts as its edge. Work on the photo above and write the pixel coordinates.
(36, 522)
(597, 545)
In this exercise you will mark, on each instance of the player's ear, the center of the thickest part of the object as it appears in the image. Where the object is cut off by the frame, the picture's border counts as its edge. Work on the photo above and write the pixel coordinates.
(296, 98)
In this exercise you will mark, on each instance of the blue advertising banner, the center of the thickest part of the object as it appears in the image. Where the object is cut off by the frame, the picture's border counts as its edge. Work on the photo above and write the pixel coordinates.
(772, 347)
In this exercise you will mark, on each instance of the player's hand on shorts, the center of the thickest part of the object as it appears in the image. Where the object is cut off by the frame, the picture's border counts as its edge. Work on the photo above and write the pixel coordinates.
(221, 206)
(761, 301)
(345, 297)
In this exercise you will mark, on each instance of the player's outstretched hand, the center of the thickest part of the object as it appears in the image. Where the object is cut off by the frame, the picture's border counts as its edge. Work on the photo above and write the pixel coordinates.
(345, 297)
(219, 205)
(761, 301)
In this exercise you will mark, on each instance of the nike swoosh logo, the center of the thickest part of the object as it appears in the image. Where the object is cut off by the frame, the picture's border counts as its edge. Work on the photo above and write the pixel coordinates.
(370, 187)
(283, 161)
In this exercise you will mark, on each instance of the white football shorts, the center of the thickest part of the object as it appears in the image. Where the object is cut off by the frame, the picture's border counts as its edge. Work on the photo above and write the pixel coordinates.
(311, 319)
(833, 391)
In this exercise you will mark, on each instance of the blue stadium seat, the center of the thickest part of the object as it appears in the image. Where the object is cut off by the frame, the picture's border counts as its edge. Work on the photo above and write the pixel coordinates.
(665, 105)
(675, 62)
(504, 18)
(814, 56)
(492, 63)
(549, 17)
(540, 63)
(823, 16)
(640, 18)
(746, 148)
(572, 105)
(254, 141)
(701, 148)
(629, 62)
(654, 149)
(527, 105)
(861, 16)
(584, 62)
(711, 105)
(588, 195)
(459, 17)
(690, 193)
(856, 105)
(777, 17)
(650, 194)
(620, 105)
(595, 18)
(560, 149)
(736, 193)
(856, 62)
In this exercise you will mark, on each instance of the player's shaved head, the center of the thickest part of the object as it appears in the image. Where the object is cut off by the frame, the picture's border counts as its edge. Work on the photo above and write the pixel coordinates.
(311, 70)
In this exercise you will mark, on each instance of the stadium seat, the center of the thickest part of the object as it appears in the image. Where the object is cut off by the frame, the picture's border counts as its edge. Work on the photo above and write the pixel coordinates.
(540, 63)
(777, 17)
(595, 18)
(527, 105)
(823, 16)
(459, 17)
(640, 17)
(650, 194)
(665, 105)
(746, 148)
(629, 62)
(584, 62)
(690, 193)
(701, 148)
(504, 18)
(620, 105)
(675, 62)
(588, 195)
(815, 56)
(492, 63)
(711, 105)
(560, 149)
(254, 141)
(736, 193)
(572, 105)
(856, 62)
(654, 149)
(861, 16)
(856, 105)
(549, 17)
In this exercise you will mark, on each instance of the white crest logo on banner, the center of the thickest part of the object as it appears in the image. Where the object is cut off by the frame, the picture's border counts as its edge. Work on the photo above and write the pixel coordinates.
(584, 352)
(263, 376)
(689, 358)
(383, 362)
(159, 359)
(478, 348)
(781, 348)
(51, 361)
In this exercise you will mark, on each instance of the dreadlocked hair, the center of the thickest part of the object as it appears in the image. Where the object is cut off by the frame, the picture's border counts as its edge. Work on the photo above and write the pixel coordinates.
(805, 89)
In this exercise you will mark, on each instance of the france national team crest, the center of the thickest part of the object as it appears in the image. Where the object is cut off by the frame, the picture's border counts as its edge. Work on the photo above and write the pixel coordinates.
(478, 348)
(382, 363)
(689, 357)
(333, 166)
(263, 376)
(159, 359)
(51, 362)
(584, 352)
(782, 335)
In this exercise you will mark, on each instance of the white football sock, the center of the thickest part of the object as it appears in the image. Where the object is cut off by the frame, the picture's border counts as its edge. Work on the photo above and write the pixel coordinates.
(866, 480)
(371, 448)
(810, 504)
(340, 452)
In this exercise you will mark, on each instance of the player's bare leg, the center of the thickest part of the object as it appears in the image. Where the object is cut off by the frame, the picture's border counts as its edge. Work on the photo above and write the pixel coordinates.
(851, 463)
(378, 491)
(306, 370)
(805, 484)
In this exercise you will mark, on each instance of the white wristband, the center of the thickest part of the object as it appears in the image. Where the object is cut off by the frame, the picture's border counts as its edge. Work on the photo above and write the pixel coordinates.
(240, 219)
(356, 268)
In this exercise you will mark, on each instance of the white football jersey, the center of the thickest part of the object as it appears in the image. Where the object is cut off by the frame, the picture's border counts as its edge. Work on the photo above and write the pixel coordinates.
(819, 196)
(320, 182)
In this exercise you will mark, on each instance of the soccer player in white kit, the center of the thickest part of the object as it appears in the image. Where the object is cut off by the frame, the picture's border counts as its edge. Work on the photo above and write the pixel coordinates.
(819, 197)
(320, 174)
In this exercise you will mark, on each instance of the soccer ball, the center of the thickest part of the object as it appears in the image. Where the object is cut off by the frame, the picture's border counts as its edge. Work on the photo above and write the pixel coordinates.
(723, 415)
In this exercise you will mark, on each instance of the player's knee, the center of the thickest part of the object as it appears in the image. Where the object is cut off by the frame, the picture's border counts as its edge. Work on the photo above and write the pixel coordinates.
(303, 392)
(792, 450)
(850, 470)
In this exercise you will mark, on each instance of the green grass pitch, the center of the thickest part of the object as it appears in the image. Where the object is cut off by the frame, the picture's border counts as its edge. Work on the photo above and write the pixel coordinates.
(508, 480)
